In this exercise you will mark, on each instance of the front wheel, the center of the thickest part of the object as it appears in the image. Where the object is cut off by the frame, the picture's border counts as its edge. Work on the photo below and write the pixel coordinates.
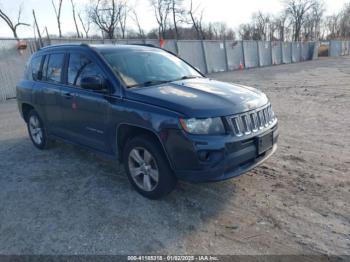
(147, 167)
(37, 131)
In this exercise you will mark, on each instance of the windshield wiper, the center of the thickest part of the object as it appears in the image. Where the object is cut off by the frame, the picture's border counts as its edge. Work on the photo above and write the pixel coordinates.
(151, 83)
(158, 82)
(188, 77)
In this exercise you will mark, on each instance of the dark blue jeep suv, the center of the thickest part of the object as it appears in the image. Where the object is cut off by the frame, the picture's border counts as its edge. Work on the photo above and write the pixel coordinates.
(160, 116)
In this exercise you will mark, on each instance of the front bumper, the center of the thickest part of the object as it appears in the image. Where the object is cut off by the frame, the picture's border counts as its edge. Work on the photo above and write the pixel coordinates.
(227, 156)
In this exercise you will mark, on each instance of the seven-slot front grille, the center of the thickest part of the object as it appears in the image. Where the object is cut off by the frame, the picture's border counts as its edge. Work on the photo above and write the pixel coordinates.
(252, 121)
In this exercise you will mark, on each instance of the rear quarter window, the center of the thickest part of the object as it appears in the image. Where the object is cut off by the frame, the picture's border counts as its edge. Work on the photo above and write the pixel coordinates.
(32, 71)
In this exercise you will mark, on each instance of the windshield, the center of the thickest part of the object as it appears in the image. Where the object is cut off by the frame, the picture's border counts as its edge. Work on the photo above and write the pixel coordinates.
(142, 68)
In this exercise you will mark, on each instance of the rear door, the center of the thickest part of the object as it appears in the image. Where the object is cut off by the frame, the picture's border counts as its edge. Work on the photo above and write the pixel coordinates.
(48, 87)
(84, 111)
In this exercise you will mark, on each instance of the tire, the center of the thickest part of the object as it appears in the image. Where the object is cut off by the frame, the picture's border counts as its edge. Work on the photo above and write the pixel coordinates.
(142, 157)
(37, 131)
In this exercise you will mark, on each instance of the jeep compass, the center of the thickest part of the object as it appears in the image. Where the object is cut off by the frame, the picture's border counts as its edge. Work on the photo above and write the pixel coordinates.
(157, 114)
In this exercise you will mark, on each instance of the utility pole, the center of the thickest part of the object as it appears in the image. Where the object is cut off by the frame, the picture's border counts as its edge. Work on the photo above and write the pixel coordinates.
(37, 28)
(47, 35)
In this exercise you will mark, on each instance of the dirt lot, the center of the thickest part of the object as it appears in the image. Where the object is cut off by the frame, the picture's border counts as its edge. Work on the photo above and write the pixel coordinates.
(69, 201)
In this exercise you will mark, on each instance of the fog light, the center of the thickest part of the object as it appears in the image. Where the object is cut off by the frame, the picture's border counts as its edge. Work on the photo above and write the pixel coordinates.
(204, 155)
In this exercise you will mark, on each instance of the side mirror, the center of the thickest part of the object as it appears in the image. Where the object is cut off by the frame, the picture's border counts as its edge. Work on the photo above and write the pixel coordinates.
(95, 83)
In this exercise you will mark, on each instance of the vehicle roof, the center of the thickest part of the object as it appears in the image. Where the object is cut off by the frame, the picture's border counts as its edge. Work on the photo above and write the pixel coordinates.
(103, 47)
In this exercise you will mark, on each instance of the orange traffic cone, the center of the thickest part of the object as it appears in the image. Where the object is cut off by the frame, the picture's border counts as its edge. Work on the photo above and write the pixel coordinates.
(161, 42)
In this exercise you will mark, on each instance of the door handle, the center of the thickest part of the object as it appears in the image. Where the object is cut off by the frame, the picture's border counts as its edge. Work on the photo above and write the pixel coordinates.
(68, 95)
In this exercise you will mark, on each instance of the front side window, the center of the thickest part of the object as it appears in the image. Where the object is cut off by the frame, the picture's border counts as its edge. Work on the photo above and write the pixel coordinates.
(52, 68)
(79, 67)
(139, 68)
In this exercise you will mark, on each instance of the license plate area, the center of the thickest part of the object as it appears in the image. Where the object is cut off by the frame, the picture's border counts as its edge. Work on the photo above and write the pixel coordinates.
(264, 142)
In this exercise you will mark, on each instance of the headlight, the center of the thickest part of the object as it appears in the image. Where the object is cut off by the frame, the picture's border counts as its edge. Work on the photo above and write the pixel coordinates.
(207, 126)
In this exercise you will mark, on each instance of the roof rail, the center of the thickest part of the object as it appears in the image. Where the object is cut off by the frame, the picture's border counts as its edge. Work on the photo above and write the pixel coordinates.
(64, 44)
(148, 45)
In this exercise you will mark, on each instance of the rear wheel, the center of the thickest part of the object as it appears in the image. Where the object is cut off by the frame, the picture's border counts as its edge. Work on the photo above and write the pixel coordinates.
(147, 168)
(37, 131)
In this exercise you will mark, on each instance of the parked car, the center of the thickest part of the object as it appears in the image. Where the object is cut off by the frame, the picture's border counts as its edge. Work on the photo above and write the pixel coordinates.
(156, 113)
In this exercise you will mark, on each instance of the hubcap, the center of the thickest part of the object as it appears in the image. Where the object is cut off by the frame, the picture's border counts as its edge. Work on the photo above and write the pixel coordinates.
(35, 130)
(143, 169)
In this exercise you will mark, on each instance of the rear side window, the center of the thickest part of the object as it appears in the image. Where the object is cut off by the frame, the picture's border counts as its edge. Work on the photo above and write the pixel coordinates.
(52, 68)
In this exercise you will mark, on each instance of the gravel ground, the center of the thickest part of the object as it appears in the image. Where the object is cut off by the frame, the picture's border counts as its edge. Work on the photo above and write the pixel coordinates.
(69, 201)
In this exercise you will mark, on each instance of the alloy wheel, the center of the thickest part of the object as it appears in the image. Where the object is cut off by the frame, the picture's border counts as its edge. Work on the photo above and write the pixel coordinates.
(35, 129)
(143, 169)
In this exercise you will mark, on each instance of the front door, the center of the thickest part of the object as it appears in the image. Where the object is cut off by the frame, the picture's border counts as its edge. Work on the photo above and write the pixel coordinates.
(84, 111)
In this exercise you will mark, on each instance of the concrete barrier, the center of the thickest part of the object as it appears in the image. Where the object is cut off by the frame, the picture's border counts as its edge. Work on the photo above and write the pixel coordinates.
(207, 56)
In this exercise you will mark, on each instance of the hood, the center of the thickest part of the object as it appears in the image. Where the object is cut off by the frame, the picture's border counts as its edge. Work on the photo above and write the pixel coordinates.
(200, 97)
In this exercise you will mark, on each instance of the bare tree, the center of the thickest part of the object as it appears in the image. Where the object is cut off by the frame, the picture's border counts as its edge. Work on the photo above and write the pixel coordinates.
(105, 15)
(122, 18)
(246, 31)
(281, 27)
(261, 27)
(273, 28)
(74, 18)
(297, 11)
(332, 26)
(178, 14)
(313, 21)
(230, 34)
(161, 11)
(37, 28)
(217, 30)
(344, 22)
(13, 25)
(47, 34)
(197, 20)
(57, 10)
(85, 23)
(317, 12)
(135, 18)
(261, 24)
(338, 25)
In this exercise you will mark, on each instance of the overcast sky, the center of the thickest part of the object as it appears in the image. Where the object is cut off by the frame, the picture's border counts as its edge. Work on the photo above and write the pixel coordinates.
(233, 12)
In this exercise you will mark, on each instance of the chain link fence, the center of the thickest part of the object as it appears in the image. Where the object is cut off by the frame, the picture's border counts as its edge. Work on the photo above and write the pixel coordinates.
(208, 56)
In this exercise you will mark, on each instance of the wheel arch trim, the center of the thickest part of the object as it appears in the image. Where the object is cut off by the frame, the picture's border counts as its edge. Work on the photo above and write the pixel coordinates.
(147, 129)
(27, 104)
